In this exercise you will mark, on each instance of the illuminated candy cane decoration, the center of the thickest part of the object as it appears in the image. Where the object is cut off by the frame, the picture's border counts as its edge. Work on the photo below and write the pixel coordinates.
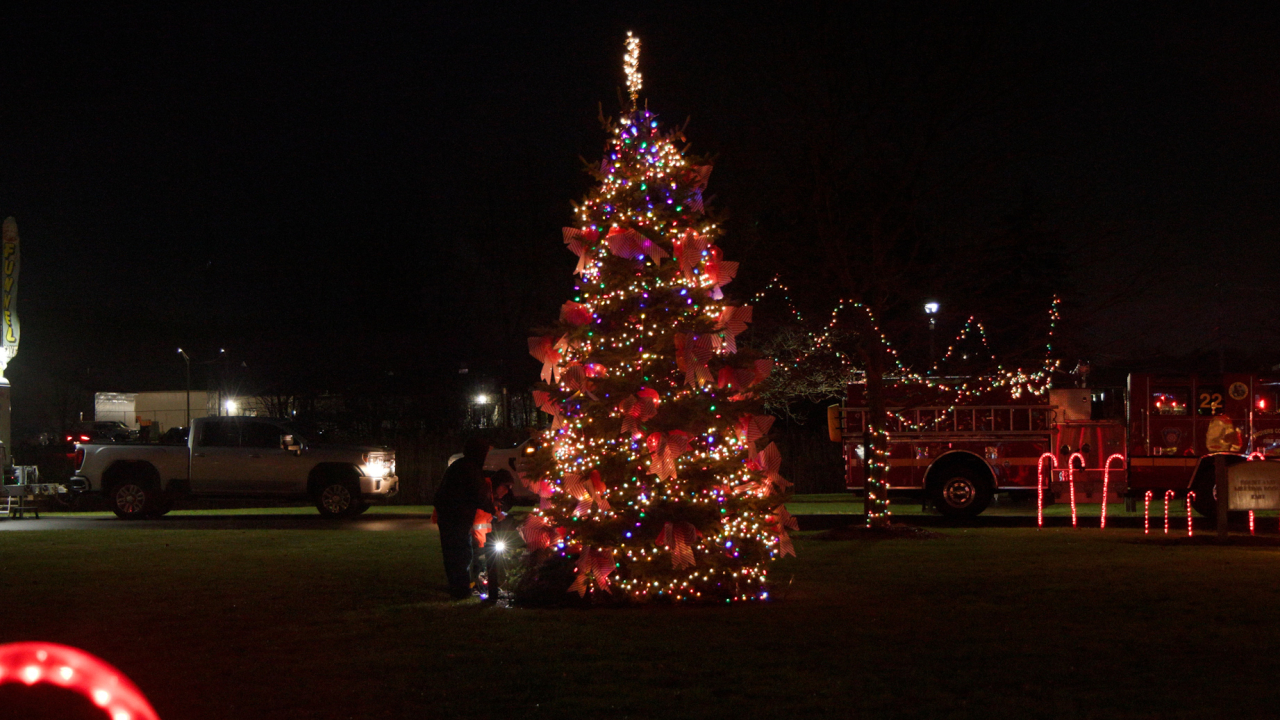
(1255, 455)
(1106, 479)
(1040, 486)
(1146, 513)
(67, 667)
(1168, 495)
(1191, 496)
(1071, 482)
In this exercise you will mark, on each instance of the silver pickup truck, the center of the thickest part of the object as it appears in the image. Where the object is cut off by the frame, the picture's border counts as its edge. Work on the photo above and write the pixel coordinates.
(235, 457)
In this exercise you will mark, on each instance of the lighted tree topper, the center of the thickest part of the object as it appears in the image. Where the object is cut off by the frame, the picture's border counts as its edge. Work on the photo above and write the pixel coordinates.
(656, 474)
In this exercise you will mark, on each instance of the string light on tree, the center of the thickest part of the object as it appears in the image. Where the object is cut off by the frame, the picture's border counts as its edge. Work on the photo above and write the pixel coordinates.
(657, 478)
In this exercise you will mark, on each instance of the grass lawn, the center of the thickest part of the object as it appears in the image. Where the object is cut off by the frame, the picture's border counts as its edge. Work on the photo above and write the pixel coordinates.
(975, 623)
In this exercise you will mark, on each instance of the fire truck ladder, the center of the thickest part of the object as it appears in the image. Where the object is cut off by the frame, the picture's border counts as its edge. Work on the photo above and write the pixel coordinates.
(960, 422)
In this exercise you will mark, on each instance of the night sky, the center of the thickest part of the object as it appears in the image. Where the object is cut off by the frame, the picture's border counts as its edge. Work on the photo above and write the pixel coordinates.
(344, 193)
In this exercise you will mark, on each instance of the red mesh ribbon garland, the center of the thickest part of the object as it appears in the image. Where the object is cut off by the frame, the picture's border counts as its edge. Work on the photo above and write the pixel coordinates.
(578, 241)
(627, 243)
(586, 491)
(679, 538)
(689, 249)
(546, 350)
(751, 428)
(664, 448)
(575, 314)
(692, 354)
(594, 564)
(732, 320)
(781, 521)
(636, 409)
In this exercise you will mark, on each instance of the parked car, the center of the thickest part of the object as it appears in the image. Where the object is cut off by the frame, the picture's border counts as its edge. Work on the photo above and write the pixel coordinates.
(101, 431)
(235, 457)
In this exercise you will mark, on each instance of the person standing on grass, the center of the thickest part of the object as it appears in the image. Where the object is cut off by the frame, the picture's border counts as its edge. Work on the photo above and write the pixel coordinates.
(462, 492)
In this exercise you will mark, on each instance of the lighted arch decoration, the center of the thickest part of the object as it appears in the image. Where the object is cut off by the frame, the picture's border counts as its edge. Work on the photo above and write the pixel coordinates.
(1041, 484)
(1106, 482)
(108, 688)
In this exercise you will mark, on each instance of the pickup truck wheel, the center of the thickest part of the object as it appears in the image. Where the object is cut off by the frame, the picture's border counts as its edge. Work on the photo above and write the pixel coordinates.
(129, 500)
(337, 499)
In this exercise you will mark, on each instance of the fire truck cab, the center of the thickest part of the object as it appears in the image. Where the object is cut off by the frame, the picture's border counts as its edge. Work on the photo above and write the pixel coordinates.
(1159, 433)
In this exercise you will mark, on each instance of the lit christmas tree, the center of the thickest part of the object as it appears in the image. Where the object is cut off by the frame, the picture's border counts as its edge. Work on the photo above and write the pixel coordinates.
(657, 477)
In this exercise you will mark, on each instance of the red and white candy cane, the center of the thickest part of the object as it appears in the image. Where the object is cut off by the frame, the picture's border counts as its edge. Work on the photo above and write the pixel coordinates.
(1191, 497)
(1168, 495)
(1146, 513)
(1041, 483)
(1106, 482)
(1071, 482)
(108, 688)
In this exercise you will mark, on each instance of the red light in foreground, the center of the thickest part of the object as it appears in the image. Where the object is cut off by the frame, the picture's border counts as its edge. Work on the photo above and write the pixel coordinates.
(73, 669)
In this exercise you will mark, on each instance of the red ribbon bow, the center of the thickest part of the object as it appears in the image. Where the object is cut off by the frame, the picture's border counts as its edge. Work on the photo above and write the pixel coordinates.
(664, 448)
(627, 243)
(689, 249)
(586, 491)
(538, 534)
(576, 378)
(636, 409)
(546, 403)
(732, 320)
(575, 314)
(769, 462)
(578, 241)
(594, 564)
(546, 350)
(718, 271)
(781, 521)
(692, 354)
(679, 538)
(751, 428)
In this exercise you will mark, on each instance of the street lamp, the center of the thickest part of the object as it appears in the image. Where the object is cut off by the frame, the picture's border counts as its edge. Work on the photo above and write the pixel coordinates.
(931, 309)
(187, 358)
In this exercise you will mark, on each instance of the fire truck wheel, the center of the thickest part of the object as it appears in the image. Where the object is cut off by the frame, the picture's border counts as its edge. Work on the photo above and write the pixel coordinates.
(963, 492)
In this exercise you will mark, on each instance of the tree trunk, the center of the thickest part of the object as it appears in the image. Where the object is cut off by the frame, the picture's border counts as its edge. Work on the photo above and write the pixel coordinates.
(876, 440)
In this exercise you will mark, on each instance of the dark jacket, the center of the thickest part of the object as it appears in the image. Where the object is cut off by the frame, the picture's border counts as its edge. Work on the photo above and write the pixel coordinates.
(462, 492)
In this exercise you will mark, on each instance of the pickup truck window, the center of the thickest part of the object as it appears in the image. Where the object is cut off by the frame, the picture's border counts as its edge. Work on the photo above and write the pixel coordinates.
(258, 434)
(219, 433)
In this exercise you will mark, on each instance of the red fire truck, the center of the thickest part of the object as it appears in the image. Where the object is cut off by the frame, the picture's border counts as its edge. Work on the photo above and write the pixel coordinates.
(1164, 429)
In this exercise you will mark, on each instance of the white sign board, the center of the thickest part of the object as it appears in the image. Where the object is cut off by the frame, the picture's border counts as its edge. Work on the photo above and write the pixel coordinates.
(1254, 486)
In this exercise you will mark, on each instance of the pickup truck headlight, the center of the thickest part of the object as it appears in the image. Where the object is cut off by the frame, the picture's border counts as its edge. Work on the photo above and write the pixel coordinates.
(379, 464)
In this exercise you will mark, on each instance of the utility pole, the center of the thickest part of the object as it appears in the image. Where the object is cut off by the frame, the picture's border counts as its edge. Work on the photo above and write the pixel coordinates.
(187, 358)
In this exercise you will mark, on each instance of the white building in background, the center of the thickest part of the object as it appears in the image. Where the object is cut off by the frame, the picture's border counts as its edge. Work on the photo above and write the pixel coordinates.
(164, 410)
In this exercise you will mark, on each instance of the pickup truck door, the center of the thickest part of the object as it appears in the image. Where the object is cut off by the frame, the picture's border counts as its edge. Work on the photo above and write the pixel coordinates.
(268, 467)
(217, 460)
